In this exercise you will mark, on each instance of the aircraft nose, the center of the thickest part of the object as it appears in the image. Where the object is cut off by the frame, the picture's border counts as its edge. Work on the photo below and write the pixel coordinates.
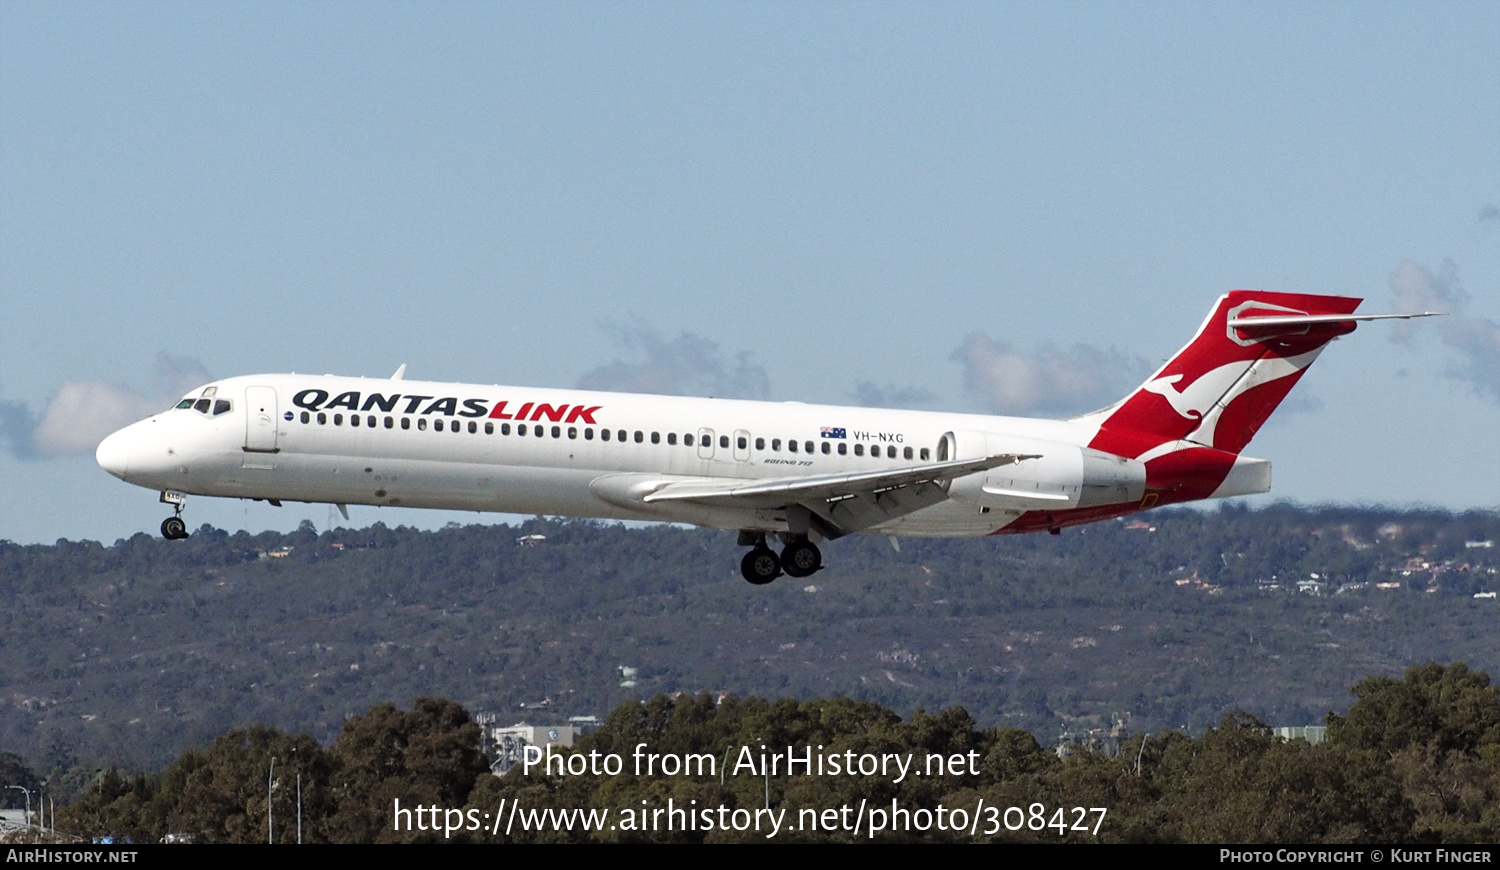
(113, 454)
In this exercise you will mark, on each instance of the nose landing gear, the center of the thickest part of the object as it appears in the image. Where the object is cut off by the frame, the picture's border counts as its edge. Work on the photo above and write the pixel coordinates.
(173, 528)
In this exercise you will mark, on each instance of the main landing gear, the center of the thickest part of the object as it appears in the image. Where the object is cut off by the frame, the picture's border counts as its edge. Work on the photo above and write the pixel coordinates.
(173, 528)
(799, 558)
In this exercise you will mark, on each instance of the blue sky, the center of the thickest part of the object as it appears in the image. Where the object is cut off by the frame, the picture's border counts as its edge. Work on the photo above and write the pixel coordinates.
(832, 202)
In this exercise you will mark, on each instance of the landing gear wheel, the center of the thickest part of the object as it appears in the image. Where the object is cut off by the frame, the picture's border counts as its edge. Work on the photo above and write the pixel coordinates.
(760, 566)
(801, 559)
(174, 529)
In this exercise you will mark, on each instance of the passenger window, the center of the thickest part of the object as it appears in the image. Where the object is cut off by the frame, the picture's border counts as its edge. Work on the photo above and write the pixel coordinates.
(672, 438)
(687, 440)
(826, 448)
(588, 434)
(455, 427)
(906, 454)
(354, 420)
(306, 416)
(556, 431)
(489, 428)
(655, 437)
(843, 448)
(776, 444)
(437, 425)
(760, 444)
(603, 434)
(724, 441)
(539, 431)
(807, 446)
(322, 418)
(639, 436)
(338, 419)
(859, 449)
(925, 454)
(389, 423)
(572, 433)
(421, 424)
(504, 428)
(405, 422)
(620, 435)
(474, 427)
(791, 446)
(741, 441)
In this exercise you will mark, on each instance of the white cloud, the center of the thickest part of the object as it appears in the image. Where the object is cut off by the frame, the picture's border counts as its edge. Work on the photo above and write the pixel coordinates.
(81, 413)
(872, 395)
(1477, 339)
(1047, 380)
(688, 365)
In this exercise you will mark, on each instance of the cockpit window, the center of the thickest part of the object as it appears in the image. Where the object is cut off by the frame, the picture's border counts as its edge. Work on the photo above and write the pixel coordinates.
(207, 407)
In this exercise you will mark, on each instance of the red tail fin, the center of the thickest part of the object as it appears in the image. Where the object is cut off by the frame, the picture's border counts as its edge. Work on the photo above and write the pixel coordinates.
(1220, 389)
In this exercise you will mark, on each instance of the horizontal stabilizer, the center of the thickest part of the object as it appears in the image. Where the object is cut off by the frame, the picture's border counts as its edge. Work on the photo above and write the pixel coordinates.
(1308, 319)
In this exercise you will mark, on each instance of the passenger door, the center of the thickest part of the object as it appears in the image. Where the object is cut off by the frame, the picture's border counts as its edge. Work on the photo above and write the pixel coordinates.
(260, 420)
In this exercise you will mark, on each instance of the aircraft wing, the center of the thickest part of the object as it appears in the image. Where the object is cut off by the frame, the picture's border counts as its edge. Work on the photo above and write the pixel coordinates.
(778, 491)
(833, 505)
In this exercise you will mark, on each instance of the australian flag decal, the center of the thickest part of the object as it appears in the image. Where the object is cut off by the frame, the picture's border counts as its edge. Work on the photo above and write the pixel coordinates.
(831, 432)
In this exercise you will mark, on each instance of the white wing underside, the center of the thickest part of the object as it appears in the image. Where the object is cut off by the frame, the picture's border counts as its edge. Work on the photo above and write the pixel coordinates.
(831, 504)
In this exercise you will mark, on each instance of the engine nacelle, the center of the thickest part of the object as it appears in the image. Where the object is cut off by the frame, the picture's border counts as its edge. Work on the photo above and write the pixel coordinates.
(1061, 476)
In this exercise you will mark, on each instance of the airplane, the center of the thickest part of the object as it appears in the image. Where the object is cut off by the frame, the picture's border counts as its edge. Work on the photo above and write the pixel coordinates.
(788, 472)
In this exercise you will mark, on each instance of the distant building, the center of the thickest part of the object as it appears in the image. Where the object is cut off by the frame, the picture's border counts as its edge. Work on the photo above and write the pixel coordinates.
(506, 744)
(1310, 733)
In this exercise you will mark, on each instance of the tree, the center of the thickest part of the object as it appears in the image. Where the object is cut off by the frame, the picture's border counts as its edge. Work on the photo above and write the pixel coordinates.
(427, 757)
(1449, 709)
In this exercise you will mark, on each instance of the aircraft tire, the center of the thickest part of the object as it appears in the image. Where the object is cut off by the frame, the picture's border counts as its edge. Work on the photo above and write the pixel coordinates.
(801, 559)
(760, 566)
(174, 529)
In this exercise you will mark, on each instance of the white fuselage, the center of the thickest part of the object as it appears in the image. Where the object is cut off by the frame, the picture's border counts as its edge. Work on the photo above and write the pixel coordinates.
(573, 453)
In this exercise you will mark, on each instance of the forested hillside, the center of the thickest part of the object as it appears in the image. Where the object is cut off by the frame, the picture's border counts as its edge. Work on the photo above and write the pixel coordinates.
(1415, 760)
(131, 653)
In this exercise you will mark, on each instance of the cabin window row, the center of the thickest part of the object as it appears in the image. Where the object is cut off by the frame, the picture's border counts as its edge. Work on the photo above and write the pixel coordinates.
(621, 435)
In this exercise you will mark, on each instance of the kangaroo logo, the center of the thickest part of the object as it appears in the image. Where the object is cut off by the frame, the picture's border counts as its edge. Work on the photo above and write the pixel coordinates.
(1199, 396)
